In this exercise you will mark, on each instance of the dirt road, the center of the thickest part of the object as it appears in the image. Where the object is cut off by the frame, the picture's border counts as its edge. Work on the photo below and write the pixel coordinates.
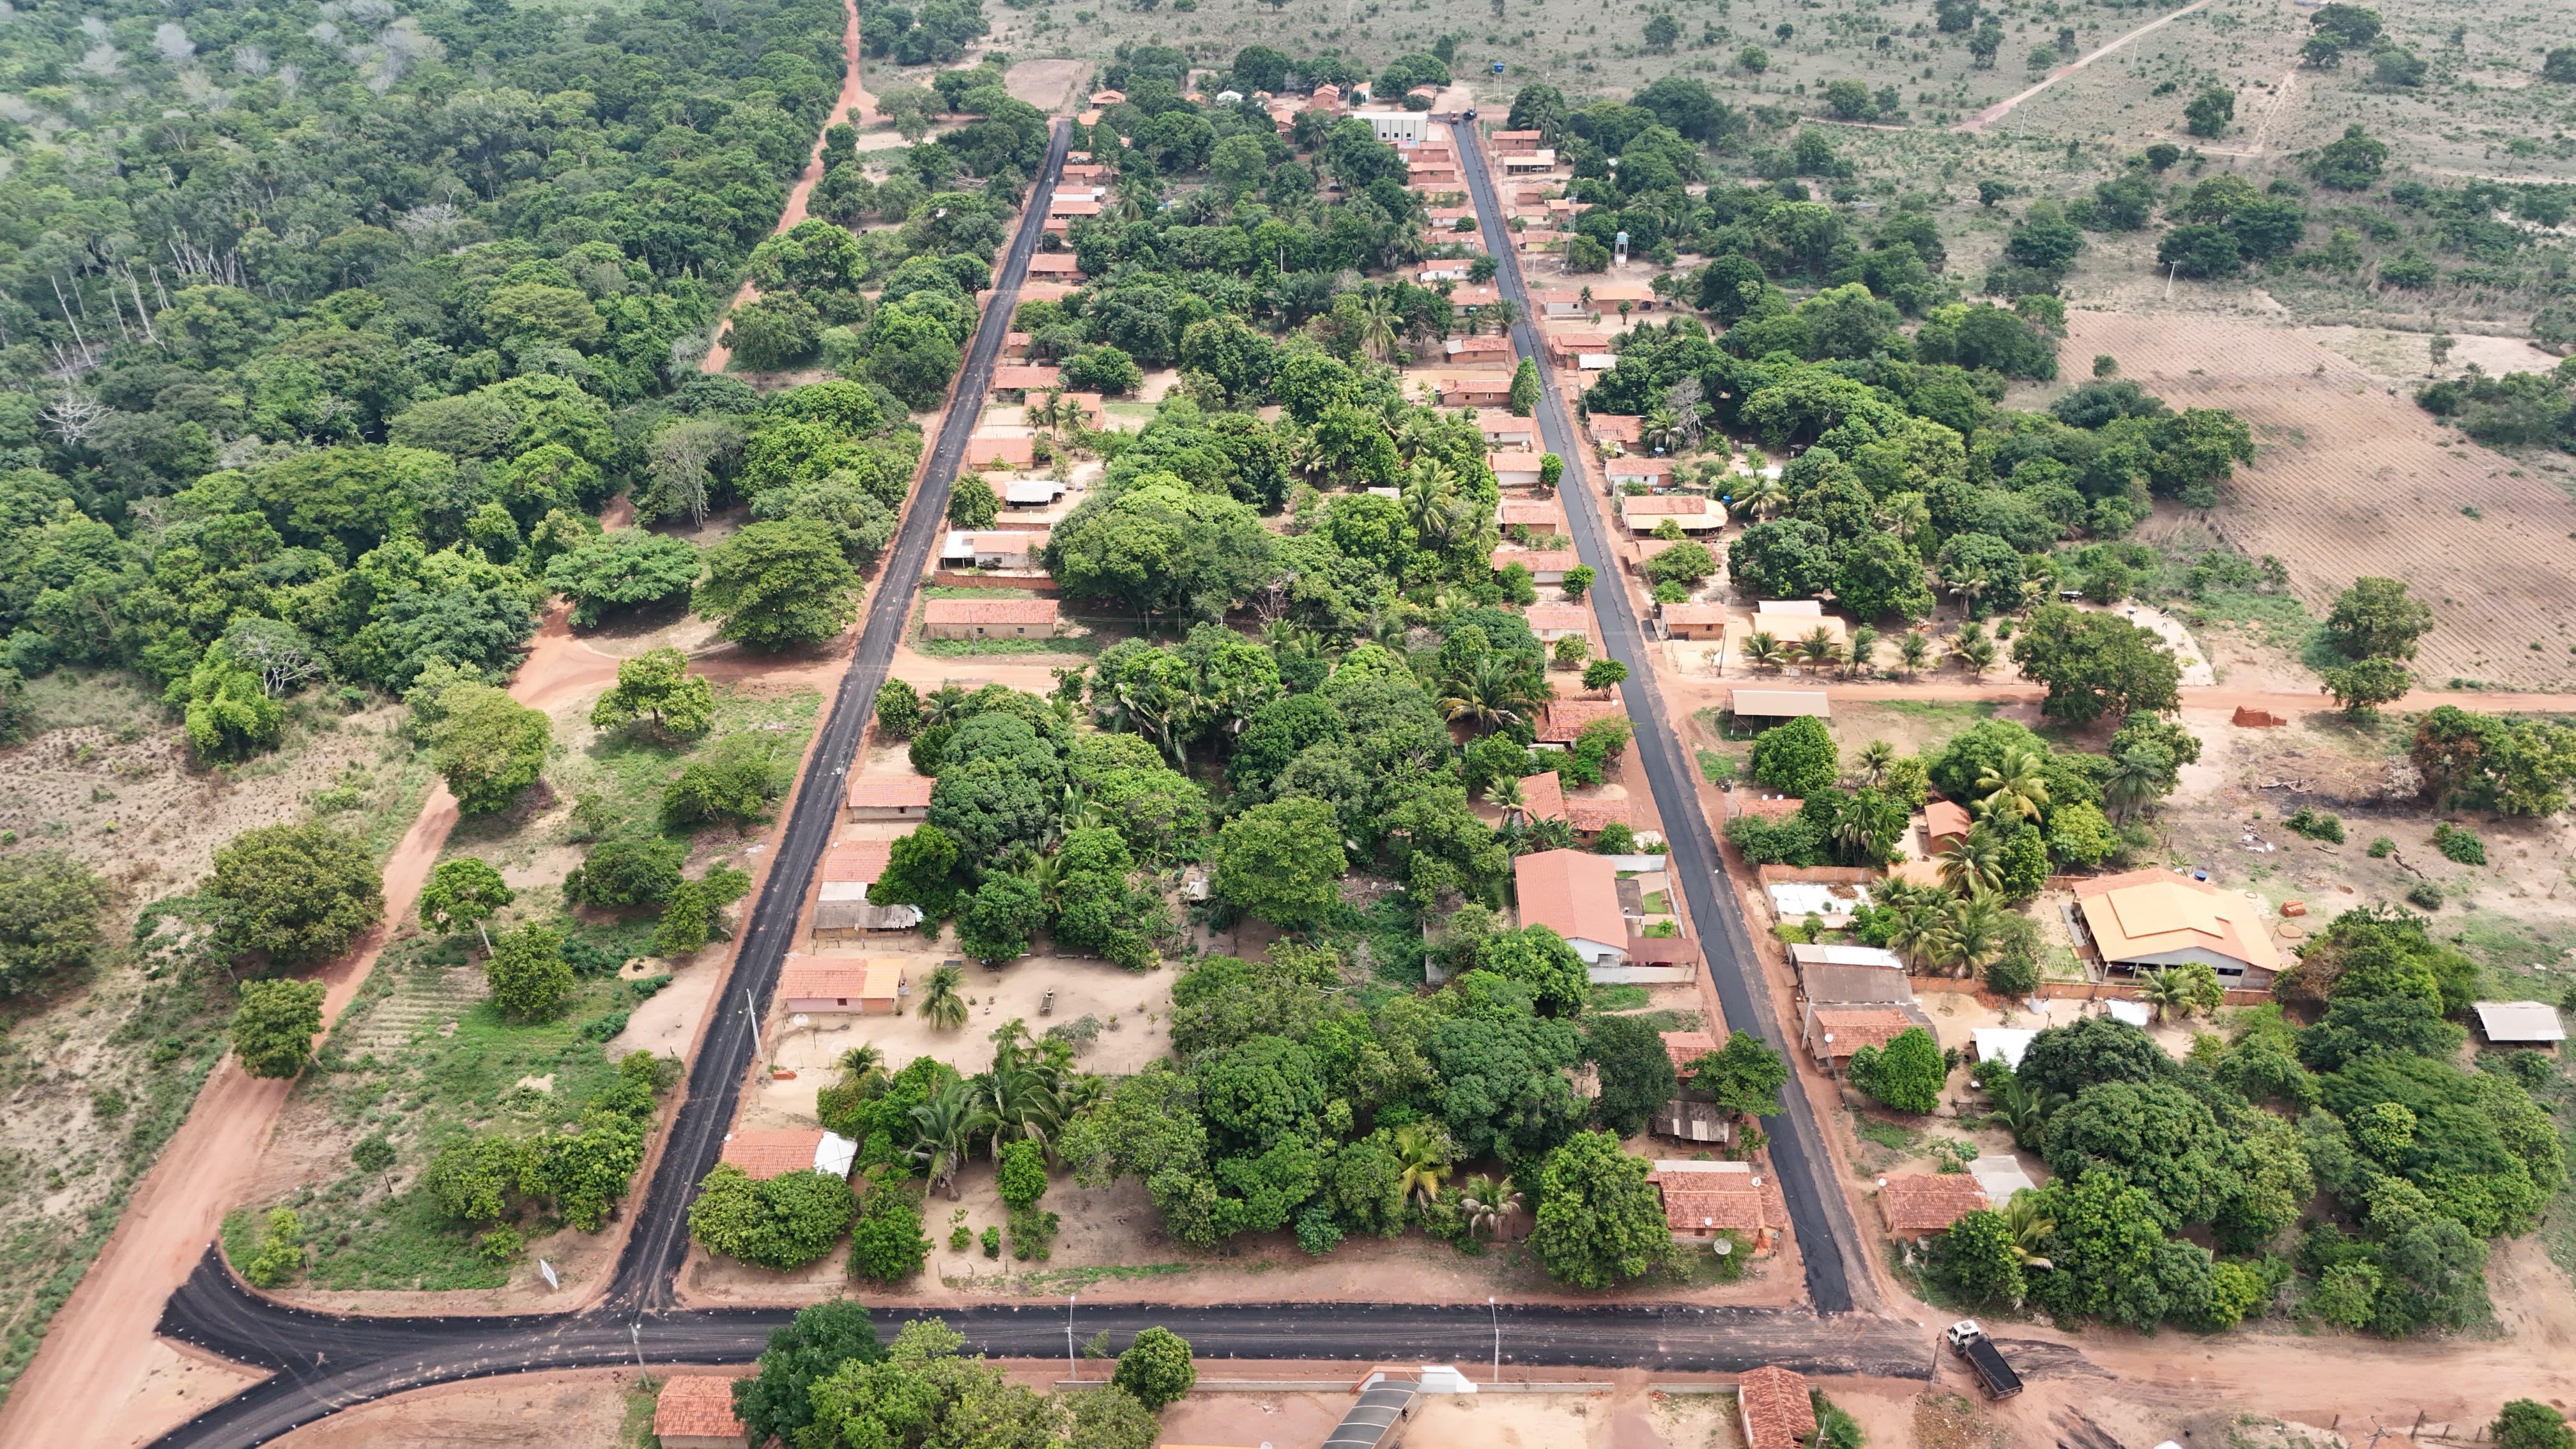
(854, 97)
(2004, 107)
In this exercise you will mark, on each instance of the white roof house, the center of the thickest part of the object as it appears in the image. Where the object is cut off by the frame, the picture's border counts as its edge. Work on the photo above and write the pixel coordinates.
(2520, 1023)
(1833, 955)
(2000, 1176)
(2003, 1044)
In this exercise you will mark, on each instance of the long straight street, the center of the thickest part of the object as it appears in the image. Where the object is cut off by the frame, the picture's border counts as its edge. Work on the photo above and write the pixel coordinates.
(1828, 1238)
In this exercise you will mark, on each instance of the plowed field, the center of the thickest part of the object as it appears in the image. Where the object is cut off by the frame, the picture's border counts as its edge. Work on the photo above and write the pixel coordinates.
(2354, 479)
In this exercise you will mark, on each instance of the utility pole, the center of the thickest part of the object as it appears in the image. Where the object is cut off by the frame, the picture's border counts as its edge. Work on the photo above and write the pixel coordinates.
(635, 1331)
(754, 1017)
(1070, 1371)
(1497, 1313)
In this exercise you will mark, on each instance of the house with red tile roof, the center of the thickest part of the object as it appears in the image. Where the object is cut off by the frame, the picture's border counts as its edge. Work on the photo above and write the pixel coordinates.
(1551, 622)
(1003, 450)
(1920, 1205)
(1705, 1199)
(695, 1411)
(796, 1149)
(1491, 390)
(989, 619)
(1575, 894)
(842, 985)
(1546, 565)
(1544, 515)
(1025, 377)
(1563, 719)
(890, 796)
(1833, 1033)
(1591, 814)
(1774, 1407)
(1542, 798)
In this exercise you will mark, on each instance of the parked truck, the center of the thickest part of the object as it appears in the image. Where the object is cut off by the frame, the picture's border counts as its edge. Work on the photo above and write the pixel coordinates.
(1969, 1341)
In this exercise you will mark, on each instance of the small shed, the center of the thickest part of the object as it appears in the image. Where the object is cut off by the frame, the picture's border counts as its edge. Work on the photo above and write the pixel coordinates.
(2520, 1024)
(1551, 622)
(890, 796)
(695, 1411)
(1031, 493)
(1945, 823)
(841, 986)
(841, 895)
(1779, 703)
(1693, 621)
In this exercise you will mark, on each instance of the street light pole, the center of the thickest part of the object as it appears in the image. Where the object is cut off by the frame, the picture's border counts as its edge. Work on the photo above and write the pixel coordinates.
(1070, 1371)
(1498, 1336)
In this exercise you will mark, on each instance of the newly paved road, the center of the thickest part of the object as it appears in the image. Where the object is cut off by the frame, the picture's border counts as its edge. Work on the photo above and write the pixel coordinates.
(327, 1362)
(331, 1362)
(1818, 1212)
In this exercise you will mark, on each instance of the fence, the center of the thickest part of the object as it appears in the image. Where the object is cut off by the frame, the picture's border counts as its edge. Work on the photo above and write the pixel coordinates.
(2078, 990)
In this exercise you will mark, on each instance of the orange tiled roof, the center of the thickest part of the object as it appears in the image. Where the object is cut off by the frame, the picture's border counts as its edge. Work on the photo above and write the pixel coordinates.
(1777, 1412)
(1916, 1204)
(1686, 1047)
(1571, 892)
(1854, 1027)
(990, 611)
(772, 1154)
(1563, 719)
(891, 790)
(698, 1406)
(1543, 796)
(857, 860)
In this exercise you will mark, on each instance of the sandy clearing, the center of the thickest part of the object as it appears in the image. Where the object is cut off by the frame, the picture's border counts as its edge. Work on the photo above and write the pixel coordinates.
(1048, 85)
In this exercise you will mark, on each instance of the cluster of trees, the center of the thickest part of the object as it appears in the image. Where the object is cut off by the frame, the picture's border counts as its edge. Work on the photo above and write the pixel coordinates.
(1911, 476)
(2374, 625)
(2513, 409)
(2511, 765)
(825, 1382)
(2419, 1158)
(1290, 1102)
(267, 425)
(496, 1180)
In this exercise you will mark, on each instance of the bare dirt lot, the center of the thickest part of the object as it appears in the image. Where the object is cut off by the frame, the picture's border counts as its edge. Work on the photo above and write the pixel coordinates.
(2353, 479)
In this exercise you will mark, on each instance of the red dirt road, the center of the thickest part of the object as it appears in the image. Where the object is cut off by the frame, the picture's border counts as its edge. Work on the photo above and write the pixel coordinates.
(854, 97)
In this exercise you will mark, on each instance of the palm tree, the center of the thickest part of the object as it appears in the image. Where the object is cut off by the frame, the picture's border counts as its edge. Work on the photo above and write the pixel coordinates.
(1488, 1202)
(1972, 936)
(2021, 1109)
(1866, 826)
(863, 1067)
(1764, 651)
(2027, 1215)
(1819, 649)
(943, 1006)
(2174, 991)
(1019, 1102)
(1660, 430)
(1870, 766)
(1506, 793)
(1864, 652)
(1975, 652)
(1973, 865)
(1491, 695)
(946, 1127)
(1760, 496)
(1917, 934)
(1914, 650)
(1378, 324)
(1502, 314)
(1422, 1154)
(2017, 783)
(2136, 777)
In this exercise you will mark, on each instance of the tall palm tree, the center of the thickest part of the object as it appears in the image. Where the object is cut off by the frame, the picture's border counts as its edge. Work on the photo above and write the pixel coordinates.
(2028, 1217)
(2021, 1109)
(1491, 695)
(1422, 1156)
(1973, 865)
(1502, 314)
(1379, 324)
(1917, 934)
(862, 1067)
(2016, 784)
(1871, 765)
(1914, 650)
(1975, 653)
(1660, 429)
(1488, 1203)
(2136, 777)
(942, 1005)
(1764, 651)
(1972, 936)
(1506, 793)
(1759, 496)
(945, 1129)
(1819, 649)
(1019, 1101)
(2171, 991)
(1866, 828)
(1864, 652)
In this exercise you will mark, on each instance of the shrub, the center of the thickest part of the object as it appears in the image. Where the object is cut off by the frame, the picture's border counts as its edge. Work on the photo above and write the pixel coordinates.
(280, 1255)
(781, 1222)
(2382, 848)
(2316, 824)
(1906, 1075)
(887, 1244)
(734, 781)
(2459, 845)
(2424, 895)
(626, 873)
(1021, 1174)
(1156, 1368)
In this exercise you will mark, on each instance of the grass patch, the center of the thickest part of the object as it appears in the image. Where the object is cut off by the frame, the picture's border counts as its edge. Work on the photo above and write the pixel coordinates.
(1670, 1020)
(1074, 1280)
(1083, 644)
(423, 1091)
(1717, 769)
(2275, 621)
(1966, 712)
(1889, 1135)
(1619, 997)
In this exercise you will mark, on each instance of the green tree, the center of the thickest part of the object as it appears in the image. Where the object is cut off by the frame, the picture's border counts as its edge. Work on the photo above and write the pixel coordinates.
(734, 781)
(1282, 862)
(280, 1254)
(1020, 1174)
(50, 905)
(2378, 619)
(1881, 575)
(1525, 388)
(972, 503)
(463, 891)
(626, 872)
(898, 710)
(779, 585)
(2209, 112)
(777, 1400)
(627, 569)
(1744, 1076)
(1636, 1072)
(781, 1222)
(527, 972)
(694, 911)
(999, 920)
(656, 685)
(887, 1244)
(2531, 1424)
(1600, 1223)
(2095, 664)
(291, 894)
(1603, 675)
(1905, 1075)
(920, 871)
(490, 747)
(274, 1027)
(1798, 758)
(1157, 1369)
(1981, 1259)
(2352, 163)
(1538, 958)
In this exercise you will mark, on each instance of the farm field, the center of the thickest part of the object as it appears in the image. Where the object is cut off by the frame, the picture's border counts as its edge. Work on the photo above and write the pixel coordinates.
(2353, 479)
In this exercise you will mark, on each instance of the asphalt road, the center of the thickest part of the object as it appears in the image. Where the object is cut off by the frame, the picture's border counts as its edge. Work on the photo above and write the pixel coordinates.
(1828, 1238)
(330, 1362)
(327, 1362)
